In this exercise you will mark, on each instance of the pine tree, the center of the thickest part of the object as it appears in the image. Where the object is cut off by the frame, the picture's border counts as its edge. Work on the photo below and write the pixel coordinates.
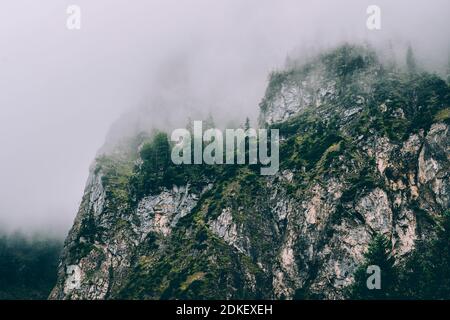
(442, 258)
(448, 70)
(378, 254)
(209, 122)
(157, 153)
(247, 124)
(426, 274)
(392, 61)
(190, 125)
(411, 60)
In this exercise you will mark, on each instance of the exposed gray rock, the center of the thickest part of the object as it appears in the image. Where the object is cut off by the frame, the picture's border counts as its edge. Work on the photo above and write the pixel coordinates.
(302, 231)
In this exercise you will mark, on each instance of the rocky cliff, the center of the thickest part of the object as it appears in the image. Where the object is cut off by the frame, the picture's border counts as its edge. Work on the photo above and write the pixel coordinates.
(364, 152)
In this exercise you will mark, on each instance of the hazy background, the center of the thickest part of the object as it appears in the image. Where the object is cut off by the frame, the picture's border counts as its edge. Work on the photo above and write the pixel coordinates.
(61, 90)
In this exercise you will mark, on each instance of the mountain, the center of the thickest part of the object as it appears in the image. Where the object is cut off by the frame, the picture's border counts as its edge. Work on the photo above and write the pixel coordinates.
(27, 265)
(364, 155)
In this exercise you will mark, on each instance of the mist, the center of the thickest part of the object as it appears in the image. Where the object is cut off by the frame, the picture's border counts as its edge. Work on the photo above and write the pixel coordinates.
(61, 90)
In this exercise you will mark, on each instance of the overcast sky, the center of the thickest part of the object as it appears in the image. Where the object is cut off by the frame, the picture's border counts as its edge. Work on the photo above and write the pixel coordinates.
(61, 90)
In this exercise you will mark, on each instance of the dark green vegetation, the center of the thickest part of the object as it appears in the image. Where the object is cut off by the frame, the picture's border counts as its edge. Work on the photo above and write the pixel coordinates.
(156, 171)
(378, 254)
(197, 264)
(397, 105)
(411, 102)
(27, 266)
(327, 141)
(424, 275)
(315, 145)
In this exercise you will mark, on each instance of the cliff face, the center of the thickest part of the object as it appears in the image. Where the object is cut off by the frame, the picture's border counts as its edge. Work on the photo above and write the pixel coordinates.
(364, 151)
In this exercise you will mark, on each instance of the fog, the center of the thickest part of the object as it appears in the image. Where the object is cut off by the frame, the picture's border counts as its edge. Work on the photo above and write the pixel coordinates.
(61, 90)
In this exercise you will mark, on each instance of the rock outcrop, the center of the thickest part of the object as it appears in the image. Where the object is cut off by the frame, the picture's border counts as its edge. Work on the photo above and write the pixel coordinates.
(362, 154)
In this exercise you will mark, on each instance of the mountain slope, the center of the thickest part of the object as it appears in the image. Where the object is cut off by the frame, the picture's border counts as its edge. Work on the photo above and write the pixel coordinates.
(27, 265)
(364, 152)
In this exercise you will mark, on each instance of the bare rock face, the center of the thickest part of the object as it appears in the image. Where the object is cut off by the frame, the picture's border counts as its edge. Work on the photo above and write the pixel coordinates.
(295, 96)
(376, 211)
(161, 212)
(354, 163)
(226, 229)
(94, 264)
(433, 163)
